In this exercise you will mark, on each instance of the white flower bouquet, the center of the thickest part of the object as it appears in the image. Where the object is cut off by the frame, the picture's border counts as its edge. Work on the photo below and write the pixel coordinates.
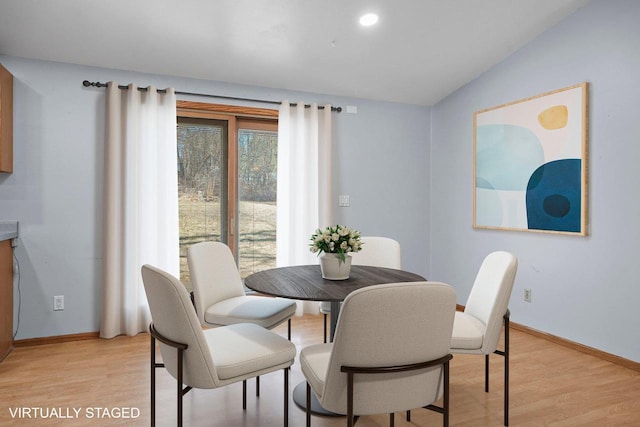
(336, 240)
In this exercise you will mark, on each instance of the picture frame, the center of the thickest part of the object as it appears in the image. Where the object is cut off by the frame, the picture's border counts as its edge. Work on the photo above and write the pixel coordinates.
(530, 164)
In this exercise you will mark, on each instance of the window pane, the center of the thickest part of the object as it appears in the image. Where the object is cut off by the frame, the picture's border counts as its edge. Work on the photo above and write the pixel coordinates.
(257, 164)
(202, 185)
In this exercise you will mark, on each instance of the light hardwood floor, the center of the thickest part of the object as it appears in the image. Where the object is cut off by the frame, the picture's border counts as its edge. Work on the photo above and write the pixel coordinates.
(550, 385)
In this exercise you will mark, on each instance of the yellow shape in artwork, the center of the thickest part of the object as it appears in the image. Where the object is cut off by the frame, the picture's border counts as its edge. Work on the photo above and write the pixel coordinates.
(554, 117)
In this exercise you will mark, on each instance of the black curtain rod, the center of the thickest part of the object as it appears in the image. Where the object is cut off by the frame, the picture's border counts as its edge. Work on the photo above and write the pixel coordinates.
(87, 83)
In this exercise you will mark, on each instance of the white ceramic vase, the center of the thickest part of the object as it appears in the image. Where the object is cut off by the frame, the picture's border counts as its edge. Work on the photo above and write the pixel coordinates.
(333, 268)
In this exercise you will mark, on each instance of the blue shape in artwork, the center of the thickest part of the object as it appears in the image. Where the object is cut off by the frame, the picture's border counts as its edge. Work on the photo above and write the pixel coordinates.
(554, 196)
(506, 156)
(483, 183)
(556, 205)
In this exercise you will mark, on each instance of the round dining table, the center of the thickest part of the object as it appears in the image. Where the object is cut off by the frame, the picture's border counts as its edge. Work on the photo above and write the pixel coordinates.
(305, 282)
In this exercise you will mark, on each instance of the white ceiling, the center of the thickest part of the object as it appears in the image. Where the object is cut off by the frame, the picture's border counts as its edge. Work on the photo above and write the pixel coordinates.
(419, 52)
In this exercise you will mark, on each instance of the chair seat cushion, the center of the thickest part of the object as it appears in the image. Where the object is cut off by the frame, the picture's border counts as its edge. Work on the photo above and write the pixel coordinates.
(325, 307)
(468, 332)
(314, 362)
(243, 349)
(264, 311)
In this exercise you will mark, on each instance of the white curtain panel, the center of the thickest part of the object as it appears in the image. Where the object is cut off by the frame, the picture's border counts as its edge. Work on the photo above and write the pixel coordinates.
(304, 184)
(140, 202)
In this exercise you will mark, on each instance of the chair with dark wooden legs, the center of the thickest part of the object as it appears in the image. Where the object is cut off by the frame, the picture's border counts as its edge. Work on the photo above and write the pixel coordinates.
(212, 358)
(390, 352)
(477, 330)
(219, 295)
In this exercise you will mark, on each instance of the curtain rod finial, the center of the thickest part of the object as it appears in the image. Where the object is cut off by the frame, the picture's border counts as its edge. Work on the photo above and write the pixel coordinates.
(87, 83)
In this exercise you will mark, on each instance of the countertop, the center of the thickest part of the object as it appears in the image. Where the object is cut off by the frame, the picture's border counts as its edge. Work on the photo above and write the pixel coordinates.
(8, 230)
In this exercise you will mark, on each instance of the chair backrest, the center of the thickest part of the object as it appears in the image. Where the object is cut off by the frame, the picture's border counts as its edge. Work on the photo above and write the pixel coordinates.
(490, 294)
(391, 325)
(174, 318)
(378, 252)
(214, 275)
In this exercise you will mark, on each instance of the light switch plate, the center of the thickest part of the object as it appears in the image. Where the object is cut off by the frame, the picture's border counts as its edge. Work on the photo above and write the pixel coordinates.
(58, 303)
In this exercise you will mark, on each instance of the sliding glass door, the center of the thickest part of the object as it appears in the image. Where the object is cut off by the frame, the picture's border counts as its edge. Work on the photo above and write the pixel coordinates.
(227, 187)
(257, 162)
(202, 184)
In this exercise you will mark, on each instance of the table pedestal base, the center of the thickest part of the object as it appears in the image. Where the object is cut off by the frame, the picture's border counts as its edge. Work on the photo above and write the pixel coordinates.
(300, 399)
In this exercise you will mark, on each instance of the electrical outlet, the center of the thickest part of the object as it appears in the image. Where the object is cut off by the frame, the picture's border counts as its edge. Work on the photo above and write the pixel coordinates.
(343, 200)
(58, 303)
(527, 295)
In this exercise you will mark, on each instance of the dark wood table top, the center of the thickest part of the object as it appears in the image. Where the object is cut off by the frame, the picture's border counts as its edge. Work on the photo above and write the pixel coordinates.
(305, 282)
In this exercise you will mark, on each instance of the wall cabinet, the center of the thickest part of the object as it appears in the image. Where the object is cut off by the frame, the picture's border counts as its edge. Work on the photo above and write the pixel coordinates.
(6, 298)
(6, 120)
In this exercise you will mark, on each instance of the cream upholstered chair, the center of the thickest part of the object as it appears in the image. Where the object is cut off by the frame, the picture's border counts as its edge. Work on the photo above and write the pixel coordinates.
(390, 352)
(219, 295)
(477, 329)
(377, 252)
(212, 358)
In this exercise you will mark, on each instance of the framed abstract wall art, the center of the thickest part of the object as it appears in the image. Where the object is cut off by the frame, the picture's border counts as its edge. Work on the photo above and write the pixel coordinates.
(530, 164)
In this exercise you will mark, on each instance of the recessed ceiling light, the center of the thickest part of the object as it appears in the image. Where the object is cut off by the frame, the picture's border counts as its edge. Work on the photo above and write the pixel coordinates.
(368, 19)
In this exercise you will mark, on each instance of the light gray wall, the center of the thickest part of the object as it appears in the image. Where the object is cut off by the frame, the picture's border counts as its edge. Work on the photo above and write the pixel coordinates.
(381, 162)
(584, 289)
(55, 192)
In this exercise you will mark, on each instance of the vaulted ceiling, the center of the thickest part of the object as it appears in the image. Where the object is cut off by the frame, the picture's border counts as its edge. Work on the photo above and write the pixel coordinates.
(419, 51)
